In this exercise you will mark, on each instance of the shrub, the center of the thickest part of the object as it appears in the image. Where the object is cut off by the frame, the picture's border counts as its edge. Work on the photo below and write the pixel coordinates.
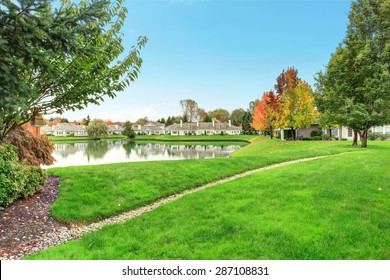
(373, 136)
(17, 179)
(30, 149)
(326, 137)
(316, 133)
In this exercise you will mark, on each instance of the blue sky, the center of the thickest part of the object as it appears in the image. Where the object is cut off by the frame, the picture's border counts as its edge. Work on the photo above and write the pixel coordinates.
(222, 54)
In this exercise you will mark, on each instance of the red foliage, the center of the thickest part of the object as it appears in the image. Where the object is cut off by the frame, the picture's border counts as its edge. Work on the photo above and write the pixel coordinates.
(286, 81)
(31, 150)
(264, 114)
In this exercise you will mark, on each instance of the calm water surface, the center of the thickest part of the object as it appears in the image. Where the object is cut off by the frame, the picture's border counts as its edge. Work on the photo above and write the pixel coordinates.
(113, 151)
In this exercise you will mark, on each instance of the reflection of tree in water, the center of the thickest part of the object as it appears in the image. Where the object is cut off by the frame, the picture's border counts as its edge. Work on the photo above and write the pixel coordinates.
(65, 150)
(97, 149)
(128, 146)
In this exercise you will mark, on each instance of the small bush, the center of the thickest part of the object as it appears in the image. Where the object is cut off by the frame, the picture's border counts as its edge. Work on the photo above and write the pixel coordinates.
(316, 133)
(326, 137)
(17, 180)
(374, 136)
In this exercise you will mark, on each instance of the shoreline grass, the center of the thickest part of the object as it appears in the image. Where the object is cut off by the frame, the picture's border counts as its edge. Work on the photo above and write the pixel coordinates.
(91, 193)
(332, 208)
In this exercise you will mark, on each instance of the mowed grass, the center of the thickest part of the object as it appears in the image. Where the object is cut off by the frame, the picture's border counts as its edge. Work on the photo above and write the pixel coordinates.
(91, 193)
(332, 208)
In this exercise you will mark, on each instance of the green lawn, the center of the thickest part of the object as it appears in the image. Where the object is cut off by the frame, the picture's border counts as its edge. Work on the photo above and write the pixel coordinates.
(333, 208)
(91, 193)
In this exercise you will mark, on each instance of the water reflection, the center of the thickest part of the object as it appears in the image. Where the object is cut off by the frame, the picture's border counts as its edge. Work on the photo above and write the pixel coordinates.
(96, 149)
(112, 151)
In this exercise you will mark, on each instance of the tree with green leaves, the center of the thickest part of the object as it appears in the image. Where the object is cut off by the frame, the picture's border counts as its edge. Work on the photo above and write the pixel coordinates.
(142, 121)
(54, 60)
(128, 130)
(97, 128)
(246, 123)
(220, 114)
(355, 87)
(236, 116)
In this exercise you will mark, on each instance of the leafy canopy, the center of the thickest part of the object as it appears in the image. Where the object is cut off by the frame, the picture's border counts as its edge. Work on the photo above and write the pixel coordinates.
(97, 128)
(355, 87)
(53, 60)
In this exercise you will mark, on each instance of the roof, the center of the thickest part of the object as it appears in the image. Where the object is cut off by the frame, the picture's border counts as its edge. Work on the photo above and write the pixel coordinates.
(150, 126)
(203, 126)
(70, 127)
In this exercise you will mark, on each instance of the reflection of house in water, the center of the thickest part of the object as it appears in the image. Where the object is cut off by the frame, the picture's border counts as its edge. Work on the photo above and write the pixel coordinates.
(64, 150)
(106, 151)
(149, 150)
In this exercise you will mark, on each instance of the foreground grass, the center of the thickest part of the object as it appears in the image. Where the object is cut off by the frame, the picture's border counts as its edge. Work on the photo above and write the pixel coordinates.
(333, 208)
(91, 193)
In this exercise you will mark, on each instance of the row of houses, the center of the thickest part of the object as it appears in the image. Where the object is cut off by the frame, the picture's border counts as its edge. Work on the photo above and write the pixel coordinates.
(339, 133)
(196, 128)
(199, 128)
(70, 129)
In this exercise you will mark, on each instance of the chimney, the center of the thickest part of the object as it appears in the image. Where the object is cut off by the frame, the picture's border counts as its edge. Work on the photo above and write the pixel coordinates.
(197, 123)
(181, 123)
(230, 123)
(213, 123)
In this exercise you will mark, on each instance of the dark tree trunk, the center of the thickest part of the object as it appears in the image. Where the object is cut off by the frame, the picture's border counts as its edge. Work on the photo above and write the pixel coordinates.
(354, 141)
(292, 133)
(271, 132)
(363, 138)
(330, 134)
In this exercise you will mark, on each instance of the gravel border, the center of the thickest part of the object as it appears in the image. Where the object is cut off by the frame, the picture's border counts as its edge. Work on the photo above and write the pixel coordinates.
(63, 234)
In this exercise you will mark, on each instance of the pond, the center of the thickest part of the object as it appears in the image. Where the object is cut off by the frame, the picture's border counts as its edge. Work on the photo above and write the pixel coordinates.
(114, 151)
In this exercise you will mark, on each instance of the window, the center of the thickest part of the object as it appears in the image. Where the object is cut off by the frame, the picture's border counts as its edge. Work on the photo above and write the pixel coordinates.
(349, 132)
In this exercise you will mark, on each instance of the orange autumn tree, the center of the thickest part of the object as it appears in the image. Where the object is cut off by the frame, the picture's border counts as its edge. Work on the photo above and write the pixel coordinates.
(296, 100)
(265, 113)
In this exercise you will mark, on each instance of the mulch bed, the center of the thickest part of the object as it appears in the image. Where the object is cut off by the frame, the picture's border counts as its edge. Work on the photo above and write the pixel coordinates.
(24, 222)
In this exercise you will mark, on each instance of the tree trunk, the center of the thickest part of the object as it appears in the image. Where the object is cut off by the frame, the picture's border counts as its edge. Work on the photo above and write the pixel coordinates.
(363, 138)
(330, 134)
(292, 133)
(354, 141)
(271, 132)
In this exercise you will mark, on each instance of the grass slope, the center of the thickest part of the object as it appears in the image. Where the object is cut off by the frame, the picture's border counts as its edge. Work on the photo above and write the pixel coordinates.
(333, 208)
(90, 193)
